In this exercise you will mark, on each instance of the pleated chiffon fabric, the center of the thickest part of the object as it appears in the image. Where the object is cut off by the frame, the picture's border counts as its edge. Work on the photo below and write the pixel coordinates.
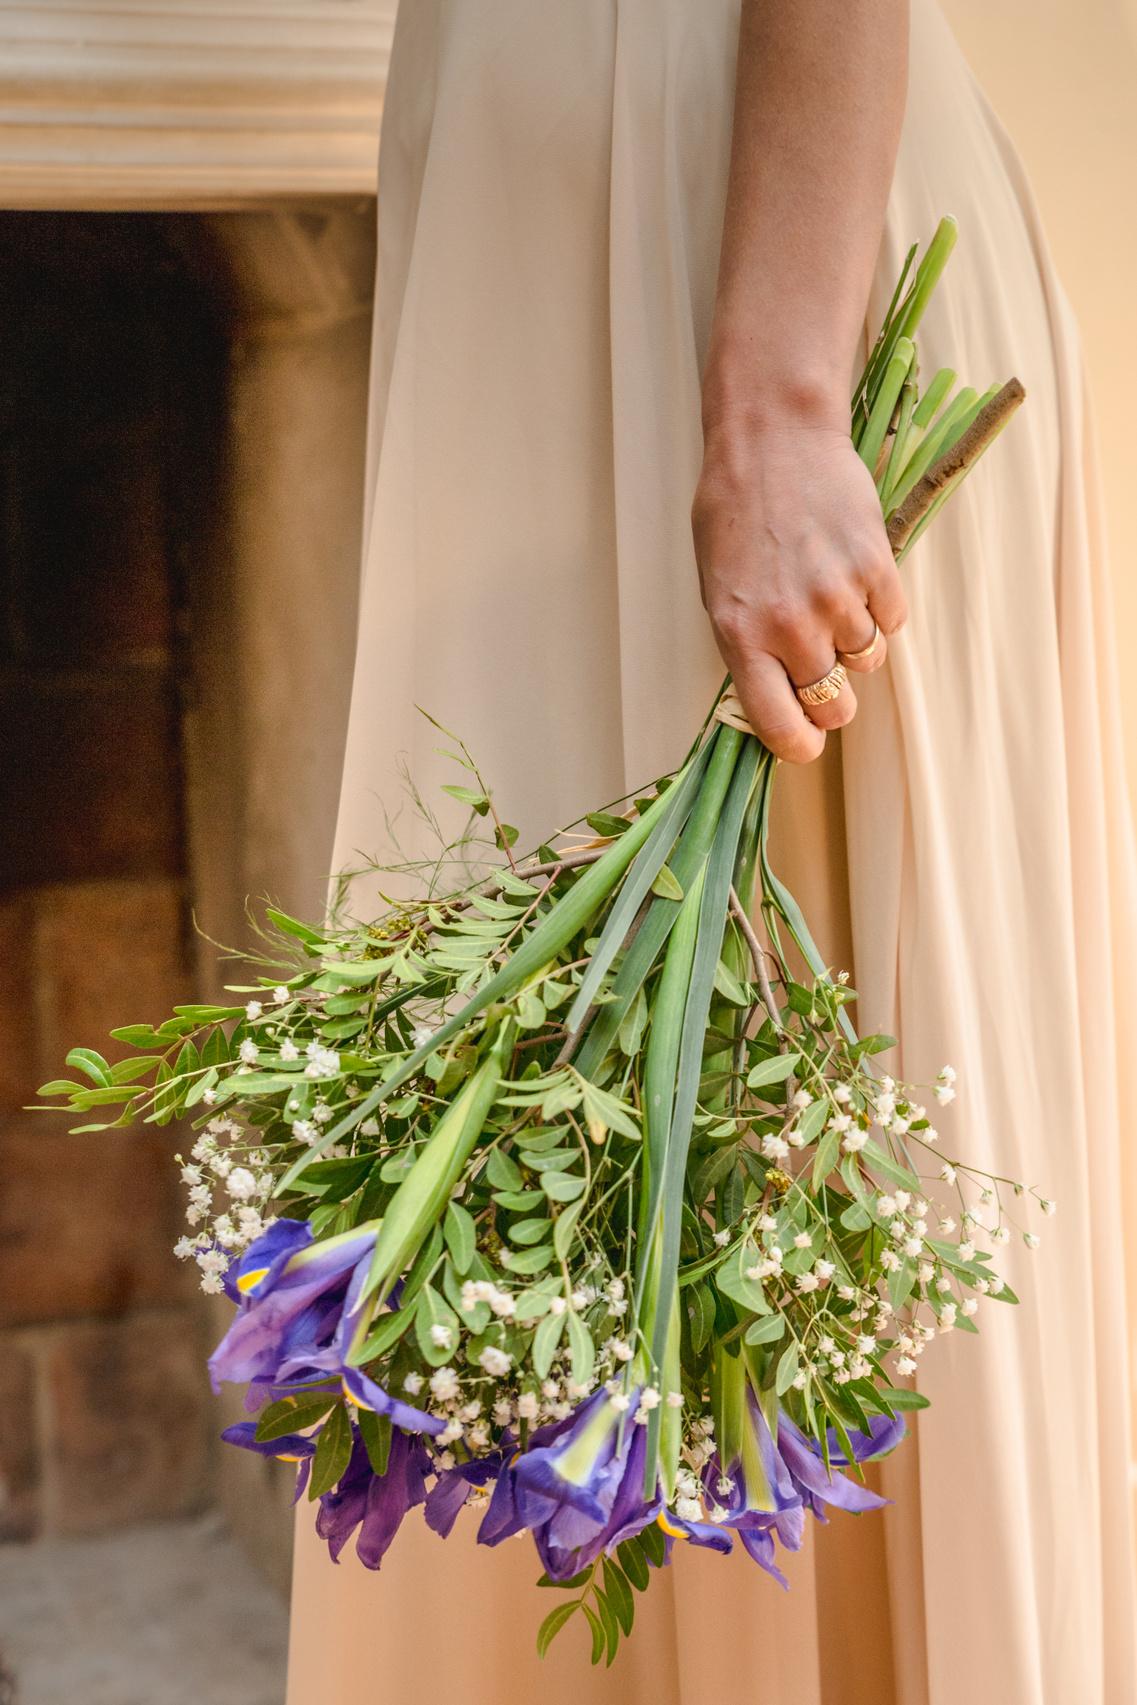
(552, 180)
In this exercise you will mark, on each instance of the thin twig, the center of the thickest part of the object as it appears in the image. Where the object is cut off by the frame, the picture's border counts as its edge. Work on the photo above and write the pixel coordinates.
(758, 955)
(970, 445)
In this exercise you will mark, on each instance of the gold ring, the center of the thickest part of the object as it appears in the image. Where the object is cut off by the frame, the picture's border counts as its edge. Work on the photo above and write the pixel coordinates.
(821, 692)
(865, 652)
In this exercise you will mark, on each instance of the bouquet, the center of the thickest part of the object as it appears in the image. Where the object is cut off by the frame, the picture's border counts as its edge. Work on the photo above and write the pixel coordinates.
(566, 1188)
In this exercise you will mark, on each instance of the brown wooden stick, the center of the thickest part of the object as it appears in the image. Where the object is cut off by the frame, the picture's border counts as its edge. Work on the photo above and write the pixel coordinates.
(968, 448)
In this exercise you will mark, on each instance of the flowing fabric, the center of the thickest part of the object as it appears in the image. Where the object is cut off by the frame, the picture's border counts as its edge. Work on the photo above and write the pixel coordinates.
(551, 191)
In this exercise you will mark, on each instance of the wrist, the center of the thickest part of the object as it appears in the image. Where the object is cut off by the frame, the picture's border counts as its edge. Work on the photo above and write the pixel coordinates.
(745, 399)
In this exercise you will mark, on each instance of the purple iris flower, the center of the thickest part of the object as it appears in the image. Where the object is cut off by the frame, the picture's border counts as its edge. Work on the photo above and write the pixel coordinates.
(293, 1447)
(454, 1485)
(791, 1478)
(373, 1503)
(578, 1488)
(298, 1307)
(816, 1485)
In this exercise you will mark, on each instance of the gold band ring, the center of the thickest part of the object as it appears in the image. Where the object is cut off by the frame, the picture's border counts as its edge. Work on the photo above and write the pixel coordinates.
(821, 692)
(866, 651)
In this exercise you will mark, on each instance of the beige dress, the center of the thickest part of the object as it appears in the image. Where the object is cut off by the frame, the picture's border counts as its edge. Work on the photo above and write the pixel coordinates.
(552, 183)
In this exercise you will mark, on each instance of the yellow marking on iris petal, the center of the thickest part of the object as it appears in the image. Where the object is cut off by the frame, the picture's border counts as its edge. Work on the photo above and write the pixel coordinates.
(284, 1456)
(352, 1398)
(248, 1280)
(675, 1532)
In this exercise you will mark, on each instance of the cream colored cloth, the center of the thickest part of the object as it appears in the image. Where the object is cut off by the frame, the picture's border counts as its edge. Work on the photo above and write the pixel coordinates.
(551, 191)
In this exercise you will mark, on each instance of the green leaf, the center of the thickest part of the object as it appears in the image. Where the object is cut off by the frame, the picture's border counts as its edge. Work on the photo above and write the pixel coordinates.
(433, 1313)
(562, 1186)
(787, 1368)
(598, 1635)
(611, 1626)
(293, 927)
(766, 1330)
(604, 823)
(897, 1397)
(478, 802)
(137, 1035)
(553, 1624)
(812, 1120)
(582, 1348)
(528, 1260)
(461, 1236)
(502, 1172)
(564, 1229)
(732, 1281)
(619, 1595)
(700, 1315)
(634, 1564)
(774, 1070)
(874, 1156)
(206, 1081)
(529, 1231)
(333, 1453)
(59, 1086)
(292, 1415)
(826, 1158)
(667, 885)
(545, 1341)
(653, 1544)
(375, 1431)
(728, 986)
(91, 1064)
(604, 1112)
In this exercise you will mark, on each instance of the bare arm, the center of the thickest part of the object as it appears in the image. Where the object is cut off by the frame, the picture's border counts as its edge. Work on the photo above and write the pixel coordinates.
(792, 553)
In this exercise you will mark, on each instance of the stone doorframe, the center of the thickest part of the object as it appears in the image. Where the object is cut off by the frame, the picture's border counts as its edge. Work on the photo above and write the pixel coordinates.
(263, 117)
(181, 104)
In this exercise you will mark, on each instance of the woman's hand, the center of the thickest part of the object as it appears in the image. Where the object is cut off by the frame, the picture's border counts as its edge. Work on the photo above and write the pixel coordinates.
(795, 567)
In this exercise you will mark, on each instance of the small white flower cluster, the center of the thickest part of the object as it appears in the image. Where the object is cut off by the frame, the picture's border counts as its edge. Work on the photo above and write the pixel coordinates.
(220, 1161)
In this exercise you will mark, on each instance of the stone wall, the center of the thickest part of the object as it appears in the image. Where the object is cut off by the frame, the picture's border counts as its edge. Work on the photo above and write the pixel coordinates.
(105, 430)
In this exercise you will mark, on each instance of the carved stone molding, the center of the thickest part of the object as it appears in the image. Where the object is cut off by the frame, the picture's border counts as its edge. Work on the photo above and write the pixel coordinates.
(189, 103)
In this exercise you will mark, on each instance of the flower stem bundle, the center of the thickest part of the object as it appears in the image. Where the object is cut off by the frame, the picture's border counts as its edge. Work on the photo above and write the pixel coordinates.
(567, 1189)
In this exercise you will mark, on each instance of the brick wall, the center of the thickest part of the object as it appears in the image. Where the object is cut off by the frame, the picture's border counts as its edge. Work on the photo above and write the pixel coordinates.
(112, 378)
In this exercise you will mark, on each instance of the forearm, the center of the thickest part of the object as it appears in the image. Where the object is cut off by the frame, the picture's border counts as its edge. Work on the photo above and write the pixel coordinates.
(818, 107)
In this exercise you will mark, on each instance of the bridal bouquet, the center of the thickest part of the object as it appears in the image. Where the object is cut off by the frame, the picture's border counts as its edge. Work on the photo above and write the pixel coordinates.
(566, 1188)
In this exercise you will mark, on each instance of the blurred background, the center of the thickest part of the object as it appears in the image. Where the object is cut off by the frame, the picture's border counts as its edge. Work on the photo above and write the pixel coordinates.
(186, 253)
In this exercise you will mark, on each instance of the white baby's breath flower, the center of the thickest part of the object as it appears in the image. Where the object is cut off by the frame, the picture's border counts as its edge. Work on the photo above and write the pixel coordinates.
(253, 1009)
(1031, 1240)
(807, 1282)
(527, 1406)
(441, 1336)
(824, 1270)
(241, 1184)
(802, 1240)
(854, 1142)
(722, 1238)
(495, 1362)
(969, 1306)
(184, 1248)
(620, 1401)
(1048, 1207)
(280, 994)
(944, 1093)
(444, 1384)
(289, 1051)
(966, 1250)
(801, 1099)
(558, 1305)
(905, 1365)
(249, 1052)
(413, 1384)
